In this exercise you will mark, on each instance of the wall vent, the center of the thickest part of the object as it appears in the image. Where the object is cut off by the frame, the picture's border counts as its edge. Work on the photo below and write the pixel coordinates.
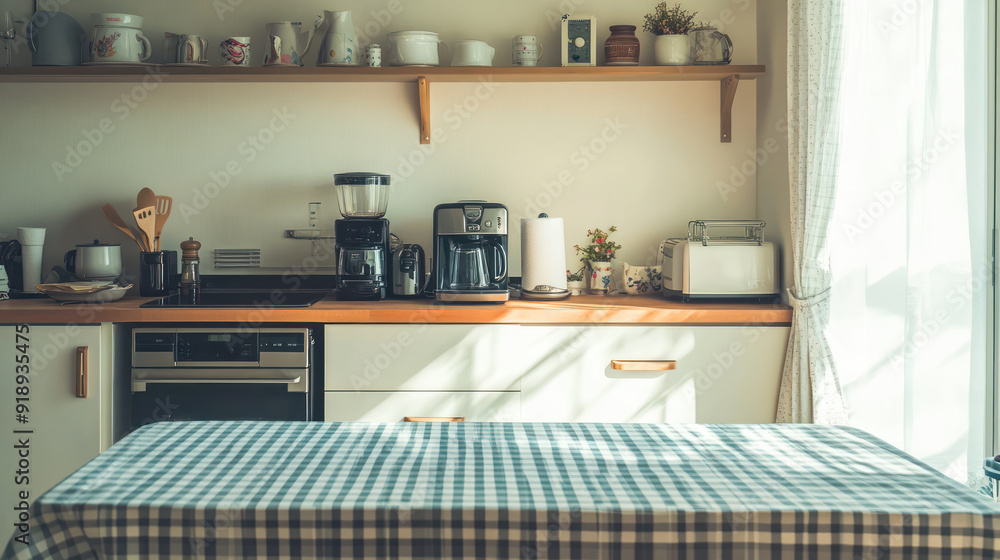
(237, 258)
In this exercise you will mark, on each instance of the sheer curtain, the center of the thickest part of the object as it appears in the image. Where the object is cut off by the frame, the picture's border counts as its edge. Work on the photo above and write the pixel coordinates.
(810, 387)
(909, 240)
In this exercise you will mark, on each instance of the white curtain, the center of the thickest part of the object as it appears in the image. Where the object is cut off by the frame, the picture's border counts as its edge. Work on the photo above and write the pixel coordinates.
(810, 388)
(911, 280)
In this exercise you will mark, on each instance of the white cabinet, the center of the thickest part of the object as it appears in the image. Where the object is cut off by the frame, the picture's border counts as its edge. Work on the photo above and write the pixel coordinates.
(54, 393)
(721, 374)
(392, 406)
(423, 358)
(704, 374)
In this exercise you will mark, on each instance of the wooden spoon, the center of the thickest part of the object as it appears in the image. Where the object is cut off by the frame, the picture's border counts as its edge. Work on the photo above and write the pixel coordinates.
(116, 220)
(145, 218)
(145, 198)
(163, 206)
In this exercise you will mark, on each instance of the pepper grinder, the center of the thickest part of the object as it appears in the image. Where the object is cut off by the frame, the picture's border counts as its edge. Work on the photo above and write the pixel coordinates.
(190, 277)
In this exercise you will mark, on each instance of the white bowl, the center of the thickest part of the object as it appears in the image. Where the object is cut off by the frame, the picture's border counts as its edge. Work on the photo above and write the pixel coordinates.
(414, 48)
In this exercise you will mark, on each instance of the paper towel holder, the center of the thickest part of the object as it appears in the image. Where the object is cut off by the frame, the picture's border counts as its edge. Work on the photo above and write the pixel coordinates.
(541, 291)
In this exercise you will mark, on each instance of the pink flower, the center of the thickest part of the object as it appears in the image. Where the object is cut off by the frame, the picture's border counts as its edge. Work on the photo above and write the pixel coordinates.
(599, 241)
(609, 251)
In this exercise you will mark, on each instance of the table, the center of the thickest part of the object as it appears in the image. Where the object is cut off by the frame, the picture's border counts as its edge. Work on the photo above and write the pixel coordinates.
(506, 490)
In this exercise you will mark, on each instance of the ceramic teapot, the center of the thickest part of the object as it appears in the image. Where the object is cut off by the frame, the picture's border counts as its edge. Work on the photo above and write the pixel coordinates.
(285, 43)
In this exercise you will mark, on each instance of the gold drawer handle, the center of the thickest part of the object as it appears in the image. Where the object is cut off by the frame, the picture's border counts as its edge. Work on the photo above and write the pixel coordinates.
(82, 373)
(643, 365)
(434, 419)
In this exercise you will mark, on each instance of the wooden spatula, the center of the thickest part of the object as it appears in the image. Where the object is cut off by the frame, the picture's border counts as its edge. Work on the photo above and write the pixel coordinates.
(145, 218)
(163, 205)
(116, 220)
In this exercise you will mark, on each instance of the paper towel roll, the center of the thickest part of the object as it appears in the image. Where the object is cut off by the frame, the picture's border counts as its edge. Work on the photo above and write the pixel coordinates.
(31, 240)
(543, 253)
(31, 267)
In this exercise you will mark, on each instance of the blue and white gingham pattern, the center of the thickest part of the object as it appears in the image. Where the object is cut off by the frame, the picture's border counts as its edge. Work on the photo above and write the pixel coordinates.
(506, 490)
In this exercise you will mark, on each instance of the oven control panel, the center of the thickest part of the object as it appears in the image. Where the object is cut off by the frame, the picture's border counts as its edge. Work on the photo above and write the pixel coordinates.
(220, 347)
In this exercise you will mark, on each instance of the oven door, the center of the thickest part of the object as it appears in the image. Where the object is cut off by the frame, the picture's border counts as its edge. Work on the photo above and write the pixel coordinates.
(160, 394)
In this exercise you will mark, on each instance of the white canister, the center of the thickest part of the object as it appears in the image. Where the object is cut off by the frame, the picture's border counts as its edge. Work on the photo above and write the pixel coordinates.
(526, 50)
(373, 53)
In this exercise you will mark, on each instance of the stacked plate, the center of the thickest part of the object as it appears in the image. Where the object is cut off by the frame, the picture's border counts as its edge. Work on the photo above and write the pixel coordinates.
(84, 292)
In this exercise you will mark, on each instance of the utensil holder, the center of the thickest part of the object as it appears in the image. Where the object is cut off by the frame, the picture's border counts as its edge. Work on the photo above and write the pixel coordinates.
(157, 273)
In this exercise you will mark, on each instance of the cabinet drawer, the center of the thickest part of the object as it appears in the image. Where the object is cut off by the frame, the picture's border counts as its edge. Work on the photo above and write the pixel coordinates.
(719, 374)
(422, 358)
(392, 406)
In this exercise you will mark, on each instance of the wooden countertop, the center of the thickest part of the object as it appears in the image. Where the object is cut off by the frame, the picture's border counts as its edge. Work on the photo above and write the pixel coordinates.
(575, 310)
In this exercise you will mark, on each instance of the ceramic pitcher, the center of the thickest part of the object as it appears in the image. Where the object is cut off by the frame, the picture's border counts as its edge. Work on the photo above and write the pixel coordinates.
(340, 46)
(285, 38)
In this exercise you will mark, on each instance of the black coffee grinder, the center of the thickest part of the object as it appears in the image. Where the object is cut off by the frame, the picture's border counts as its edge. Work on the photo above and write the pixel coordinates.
(362, 237)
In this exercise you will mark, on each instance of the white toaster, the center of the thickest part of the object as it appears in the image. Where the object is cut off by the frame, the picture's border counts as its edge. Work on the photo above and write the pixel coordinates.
(709, 266)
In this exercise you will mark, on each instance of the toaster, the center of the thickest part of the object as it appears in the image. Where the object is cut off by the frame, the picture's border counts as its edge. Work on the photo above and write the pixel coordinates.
(708, 264)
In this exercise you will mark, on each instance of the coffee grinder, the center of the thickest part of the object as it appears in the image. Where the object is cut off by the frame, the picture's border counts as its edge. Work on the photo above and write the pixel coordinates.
(362, 237)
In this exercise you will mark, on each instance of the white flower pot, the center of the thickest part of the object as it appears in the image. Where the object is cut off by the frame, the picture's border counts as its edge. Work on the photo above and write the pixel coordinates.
(672, 50)
(600, 278)
(575, 287)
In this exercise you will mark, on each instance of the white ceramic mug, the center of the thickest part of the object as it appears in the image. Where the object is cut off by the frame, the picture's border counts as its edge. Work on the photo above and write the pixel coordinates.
(472, 53)
(526, 50)
(119, 38)
(235, 51)
(192, 49)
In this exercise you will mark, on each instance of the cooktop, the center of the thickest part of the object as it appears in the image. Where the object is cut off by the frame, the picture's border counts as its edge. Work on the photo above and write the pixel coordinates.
(254, 299)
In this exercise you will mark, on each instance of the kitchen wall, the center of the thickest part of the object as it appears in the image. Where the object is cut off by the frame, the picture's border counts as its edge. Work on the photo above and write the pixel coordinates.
(770, 161)
(643, 156)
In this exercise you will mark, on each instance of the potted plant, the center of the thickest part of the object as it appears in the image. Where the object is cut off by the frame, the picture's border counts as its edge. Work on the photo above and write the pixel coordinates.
(671, 46)
(574, 281)
(598, 255)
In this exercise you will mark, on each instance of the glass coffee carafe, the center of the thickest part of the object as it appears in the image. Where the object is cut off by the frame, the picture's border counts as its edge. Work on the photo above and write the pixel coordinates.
(469, 268)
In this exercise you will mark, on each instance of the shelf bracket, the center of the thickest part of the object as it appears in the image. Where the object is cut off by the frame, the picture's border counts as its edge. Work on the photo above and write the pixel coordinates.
(424, 90)
(728, 94)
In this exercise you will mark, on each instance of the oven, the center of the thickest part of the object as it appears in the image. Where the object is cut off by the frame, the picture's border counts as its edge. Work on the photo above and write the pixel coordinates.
(221, 373)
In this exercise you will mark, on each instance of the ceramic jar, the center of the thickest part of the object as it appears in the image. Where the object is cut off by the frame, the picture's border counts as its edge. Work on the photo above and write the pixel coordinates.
(622, 47)
(672, 50)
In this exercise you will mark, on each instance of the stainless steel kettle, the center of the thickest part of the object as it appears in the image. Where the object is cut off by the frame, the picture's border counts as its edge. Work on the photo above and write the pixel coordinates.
(408, 270)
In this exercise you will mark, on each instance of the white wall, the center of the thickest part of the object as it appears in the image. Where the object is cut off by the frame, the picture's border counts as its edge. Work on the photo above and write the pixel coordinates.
(771, 157)
(662, 166)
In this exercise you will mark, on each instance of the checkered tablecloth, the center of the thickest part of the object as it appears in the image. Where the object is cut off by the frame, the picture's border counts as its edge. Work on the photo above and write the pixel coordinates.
(506, 490)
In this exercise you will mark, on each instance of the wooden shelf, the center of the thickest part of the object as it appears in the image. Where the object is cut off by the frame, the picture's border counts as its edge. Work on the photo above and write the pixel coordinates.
(728, 76)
